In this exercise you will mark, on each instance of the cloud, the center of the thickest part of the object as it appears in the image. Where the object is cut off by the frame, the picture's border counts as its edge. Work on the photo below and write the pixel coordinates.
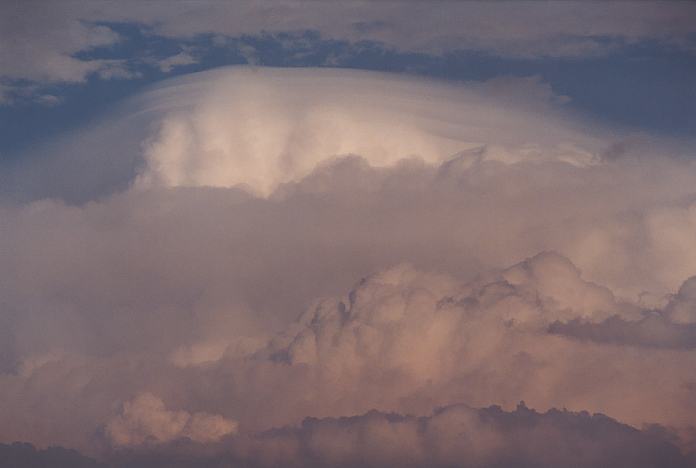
(13, 94)
(682, 307)
(404, 338)
(675, 326)
(23, 455)
(145, 419)
(260, 128)
(504, 257)
(669, 229)
(182, 58)
(461, 436)
(115, 69)
(42, 44)
(653, 330)
(401, 340)
(456, 435)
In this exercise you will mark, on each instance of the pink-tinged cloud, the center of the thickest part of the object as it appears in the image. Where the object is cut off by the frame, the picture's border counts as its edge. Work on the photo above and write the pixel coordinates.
(214, 300)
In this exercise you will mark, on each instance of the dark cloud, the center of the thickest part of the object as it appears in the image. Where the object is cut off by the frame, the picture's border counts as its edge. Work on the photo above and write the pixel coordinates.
(452, 436)
(654, 330)
(24, 455)
(461, 436)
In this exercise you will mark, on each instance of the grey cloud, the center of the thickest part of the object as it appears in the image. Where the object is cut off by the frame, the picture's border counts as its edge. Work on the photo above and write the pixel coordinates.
(455, 435)
(654, 330)
(173, 61)
(40, 40)
(672, 327)
(682, 306)
(505, 28)
(24, 455)
(461, 436)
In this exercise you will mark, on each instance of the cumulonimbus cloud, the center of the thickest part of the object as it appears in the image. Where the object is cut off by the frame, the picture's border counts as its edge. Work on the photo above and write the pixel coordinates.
(509, 252)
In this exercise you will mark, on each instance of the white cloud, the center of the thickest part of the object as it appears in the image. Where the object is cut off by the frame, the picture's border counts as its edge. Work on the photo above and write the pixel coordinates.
(264, 127)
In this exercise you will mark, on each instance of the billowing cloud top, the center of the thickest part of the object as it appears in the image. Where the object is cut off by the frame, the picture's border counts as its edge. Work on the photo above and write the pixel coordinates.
(336, 268)
(264, 127)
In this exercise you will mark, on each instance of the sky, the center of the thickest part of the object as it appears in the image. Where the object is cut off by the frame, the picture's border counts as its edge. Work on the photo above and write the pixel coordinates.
(347, 234)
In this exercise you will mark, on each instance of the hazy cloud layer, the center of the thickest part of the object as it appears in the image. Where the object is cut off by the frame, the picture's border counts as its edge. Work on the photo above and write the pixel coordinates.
(508, 252)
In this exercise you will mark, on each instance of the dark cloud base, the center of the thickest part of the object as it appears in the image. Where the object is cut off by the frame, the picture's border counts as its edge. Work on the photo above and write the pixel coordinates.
(25, 455)
(652, 331)
(452, 436)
